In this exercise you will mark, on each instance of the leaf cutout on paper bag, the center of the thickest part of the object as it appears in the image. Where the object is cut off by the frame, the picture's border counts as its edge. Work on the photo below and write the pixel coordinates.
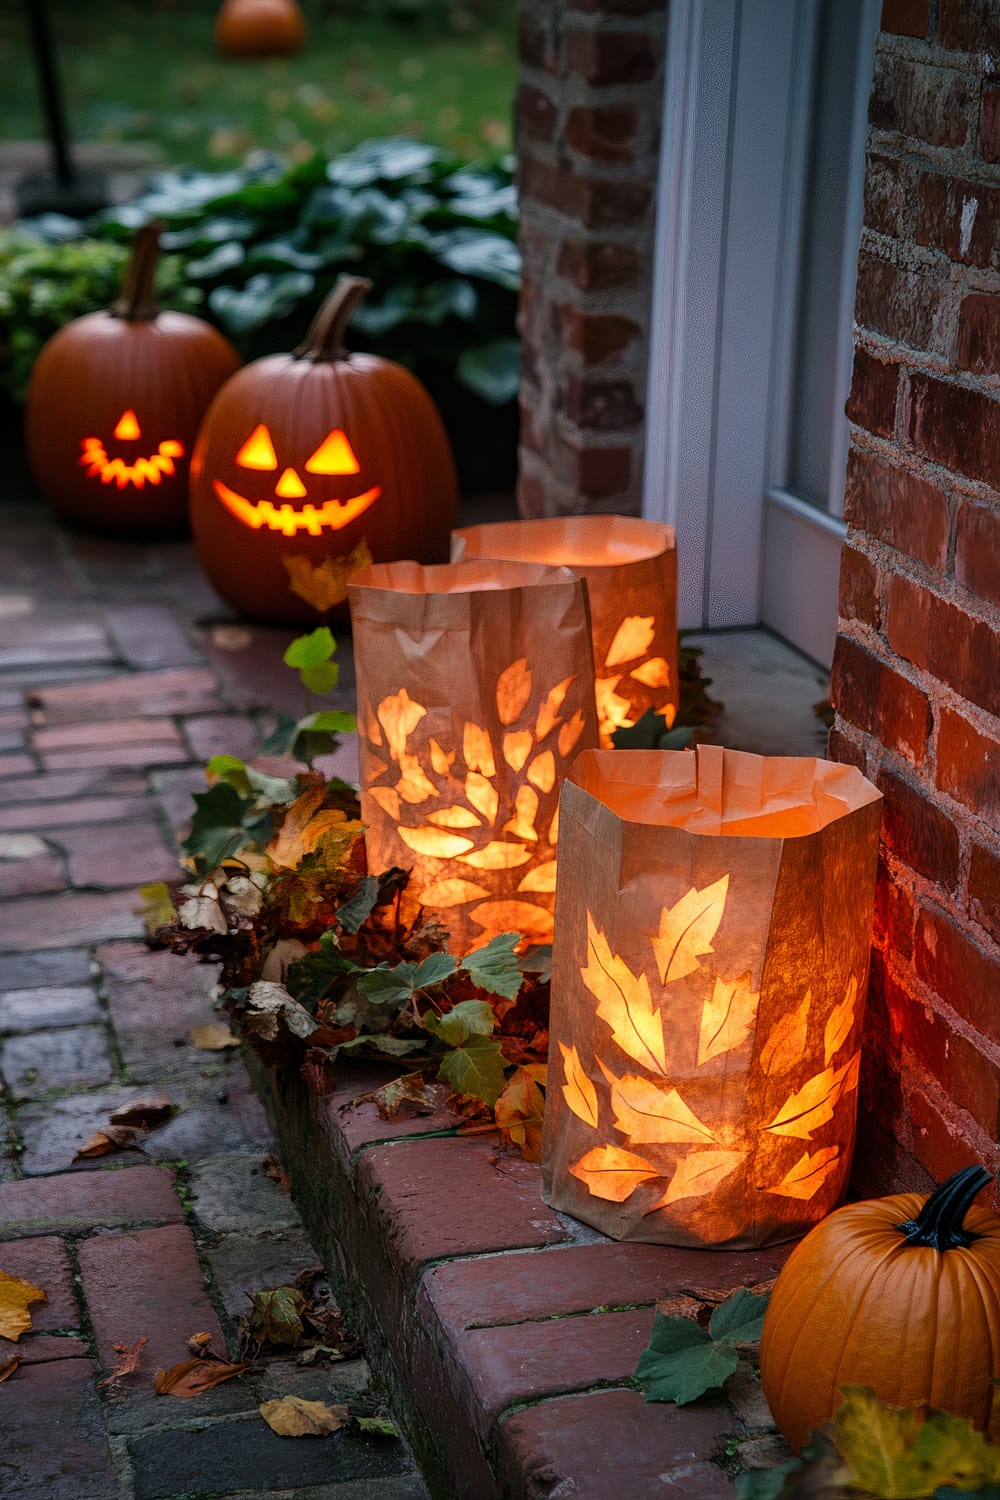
(654, 673)
(611, 1173)
(548, 714)
(698, 1173)
(814, 1103)
(455, 817)
(787, 1039)
(651, 1115)
(452, 893)
(687, 930)
(569, 733)
(477, 750)
(497, 855)
(435, 841)
(841, 1020)
(809, 1173)
(517, 747)
(542, 878)
(578, 1090)
(624, 1002)
(513, 690)
(726, 1017)
(399, 717)
(633, 638)
(530, 922)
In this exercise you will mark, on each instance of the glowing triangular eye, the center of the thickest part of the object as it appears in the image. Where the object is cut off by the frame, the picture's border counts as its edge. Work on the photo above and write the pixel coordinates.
(333, 456)
(128, 426)
(258, 450)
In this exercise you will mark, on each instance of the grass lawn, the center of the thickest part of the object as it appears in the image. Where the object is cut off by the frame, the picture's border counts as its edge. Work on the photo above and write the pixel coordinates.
(148, 75)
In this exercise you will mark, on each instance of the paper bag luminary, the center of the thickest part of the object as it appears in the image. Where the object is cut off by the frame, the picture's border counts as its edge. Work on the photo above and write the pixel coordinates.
(712, 932)
(475, 693)
(631, 572)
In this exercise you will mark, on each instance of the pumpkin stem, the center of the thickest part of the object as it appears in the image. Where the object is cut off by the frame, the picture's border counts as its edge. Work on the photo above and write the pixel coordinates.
(137, 300)
(328, 329)
(939, 1223)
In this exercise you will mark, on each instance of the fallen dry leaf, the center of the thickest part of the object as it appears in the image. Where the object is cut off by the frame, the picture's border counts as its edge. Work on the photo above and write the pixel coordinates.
(291, 1416)
(15, 1297)
(200, 1344)
(111, 1138)
(143, 1114)
(194, 1376)
(276, 1172)
(128, 1360)
(275, 1318)
(8, 1367)
(213, 1037)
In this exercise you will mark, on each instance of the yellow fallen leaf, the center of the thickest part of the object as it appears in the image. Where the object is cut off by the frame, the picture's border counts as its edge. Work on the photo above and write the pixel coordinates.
(292, 1416)
(213, 1037)
(15, 1298)
(9, 1366)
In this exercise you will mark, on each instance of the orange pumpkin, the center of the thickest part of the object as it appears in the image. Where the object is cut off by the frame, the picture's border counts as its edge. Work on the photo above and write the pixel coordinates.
(313, 464)
(901, 1294)
(259, 28)
(114, 404)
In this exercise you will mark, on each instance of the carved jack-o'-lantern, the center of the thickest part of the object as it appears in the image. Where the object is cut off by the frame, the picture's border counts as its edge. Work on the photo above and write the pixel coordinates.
(114, 405)
(713, 926)
(475, 692)
(631, 572)
(310, 465)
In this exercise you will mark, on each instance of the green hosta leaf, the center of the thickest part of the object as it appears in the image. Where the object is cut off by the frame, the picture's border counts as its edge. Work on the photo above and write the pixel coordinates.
(386, 161)
(263, 299)
(681, 1362)
(471, 1017)
(495, 968)
(479, 252)
(740, 1318)
(476, 1068)
(451, 298)
(492, 371)
(224, 258)
(355, 912)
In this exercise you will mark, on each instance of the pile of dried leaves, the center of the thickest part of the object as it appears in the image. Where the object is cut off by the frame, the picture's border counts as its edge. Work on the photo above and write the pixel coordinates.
(323, 960)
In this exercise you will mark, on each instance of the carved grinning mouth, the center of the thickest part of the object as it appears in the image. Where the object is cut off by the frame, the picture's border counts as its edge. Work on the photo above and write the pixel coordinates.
(332, 514)
(115, 470)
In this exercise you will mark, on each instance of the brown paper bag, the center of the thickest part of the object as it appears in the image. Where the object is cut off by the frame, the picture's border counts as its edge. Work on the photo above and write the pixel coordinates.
(631, 572)
(713, 924)
(475, 693)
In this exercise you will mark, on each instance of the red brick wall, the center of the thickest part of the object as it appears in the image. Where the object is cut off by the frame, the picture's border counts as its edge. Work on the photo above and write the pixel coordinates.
(916, 678)
(588, 117)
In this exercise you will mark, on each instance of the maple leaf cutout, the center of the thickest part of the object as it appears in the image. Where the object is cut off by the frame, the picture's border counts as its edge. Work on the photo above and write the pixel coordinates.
(787, 1039)
(578, 1090)
(687, 930)
(624, 1002)
(838, 1027)
(809, 1173)
(698, 1173)
(726, 1017)
(813, 1104)
(611, 1173)
(651, 1115)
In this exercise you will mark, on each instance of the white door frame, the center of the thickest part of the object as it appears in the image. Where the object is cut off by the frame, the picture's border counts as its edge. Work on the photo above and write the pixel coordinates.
(729, 230)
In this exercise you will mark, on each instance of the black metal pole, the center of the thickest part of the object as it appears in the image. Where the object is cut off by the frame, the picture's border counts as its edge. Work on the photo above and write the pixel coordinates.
(52, 101)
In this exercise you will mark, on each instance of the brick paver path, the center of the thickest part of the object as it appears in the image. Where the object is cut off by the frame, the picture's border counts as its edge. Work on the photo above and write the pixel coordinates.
(119, 675)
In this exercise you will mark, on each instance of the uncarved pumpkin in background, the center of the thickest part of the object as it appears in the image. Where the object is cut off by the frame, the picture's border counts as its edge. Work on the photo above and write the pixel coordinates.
(312, 464)
(901, 1294)
(114, 405)
(259, 28)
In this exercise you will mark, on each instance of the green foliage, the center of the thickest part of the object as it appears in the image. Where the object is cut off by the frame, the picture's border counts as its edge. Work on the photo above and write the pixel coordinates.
(47, 282)
(311, 656)
(683, 1360)
(435, 235)
(495, 968)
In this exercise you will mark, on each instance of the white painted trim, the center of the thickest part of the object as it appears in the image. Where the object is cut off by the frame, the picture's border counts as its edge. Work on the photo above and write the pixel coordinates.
(823, 521)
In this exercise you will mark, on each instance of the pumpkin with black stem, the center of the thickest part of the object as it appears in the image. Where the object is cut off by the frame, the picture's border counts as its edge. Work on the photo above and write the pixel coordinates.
(114, 405)
(259, 28)
(310, 465)
(901, 1294)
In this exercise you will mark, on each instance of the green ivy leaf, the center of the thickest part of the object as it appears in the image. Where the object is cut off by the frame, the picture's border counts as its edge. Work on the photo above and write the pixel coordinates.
(492, 371)
(476, 1068)
(682, 1362)
(470, 1018)
(311, 654)
(385, 986)
(432, 970)
(495, 968)
(217, 828)
(740, 1318)
(329, 721)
